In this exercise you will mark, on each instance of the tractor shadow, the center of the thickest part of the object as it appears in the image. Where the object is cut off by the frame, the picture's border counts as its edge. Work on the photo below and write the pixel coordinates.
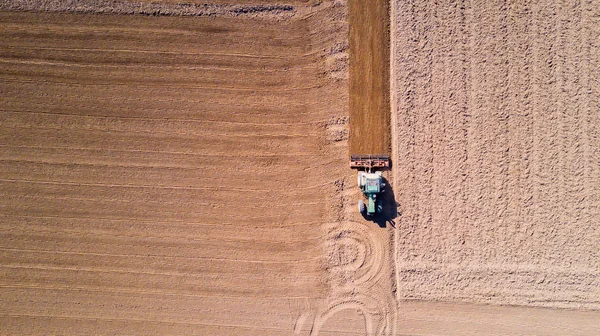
(390, 208)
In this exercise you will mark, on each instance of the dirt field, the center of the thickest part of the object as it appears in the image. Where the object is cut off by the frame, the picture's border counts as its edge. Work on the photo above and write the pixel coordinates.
(166, 175)
(369, 76)
(497, 152)
(182, 169)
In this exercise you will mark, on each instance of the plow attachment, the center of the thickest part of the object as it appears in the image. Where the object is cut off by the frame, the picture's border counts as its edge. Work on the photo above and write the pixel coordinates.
(380, 161)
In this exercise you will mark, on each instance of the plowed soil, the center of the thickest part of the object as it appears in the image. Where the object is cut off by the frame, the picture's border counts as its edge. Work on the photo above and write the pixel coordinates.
(497, 152)
(167, 175)
(181, 169)
(369, 40)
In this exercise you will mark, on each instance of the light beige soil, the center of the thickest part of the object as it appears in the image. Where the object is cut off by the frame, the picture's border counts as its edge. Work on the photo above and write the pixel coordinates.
(256, 9)
(435, 319)
(498, 150)
(428, 318)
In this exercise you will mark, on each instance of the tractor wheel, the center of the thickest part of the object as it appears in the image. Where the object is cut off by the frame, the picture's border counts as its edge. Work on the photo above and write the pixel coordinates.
(361, 206)
(379, 206)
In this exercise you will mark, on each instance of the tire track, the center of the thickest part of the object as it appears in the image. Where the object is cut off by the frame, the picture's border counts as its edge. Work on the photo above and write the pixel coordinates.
(360, 278)
(368, 265)
(377, 318)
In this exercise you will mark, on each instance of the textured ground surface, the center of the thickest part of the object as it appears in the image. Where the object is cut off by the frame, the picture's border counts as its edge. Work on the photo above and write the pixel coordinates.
(167, 175)
(498, 151)
(188, 175)
(369, 76)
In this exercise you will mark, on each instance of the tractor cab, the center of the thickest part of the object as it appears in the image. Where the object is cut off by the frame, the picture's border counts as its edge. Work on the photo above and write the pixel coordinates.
(371, 185)
(370, 182)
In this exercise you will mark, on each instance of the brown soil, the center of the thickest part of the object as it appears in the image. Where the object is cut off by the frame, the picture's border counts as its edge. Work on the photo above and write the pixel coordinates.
(369, 76)
(167, 175)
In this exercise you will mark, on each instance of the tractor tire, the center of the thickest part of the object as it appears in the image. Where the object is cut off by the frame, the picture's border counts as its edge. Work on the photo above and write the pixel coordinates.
(379, 206)
(361, 207)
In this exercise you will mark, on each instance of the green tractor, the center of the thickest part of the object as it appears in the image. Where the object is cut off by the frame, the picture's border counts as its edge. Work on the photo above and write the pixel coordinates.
(370, 182)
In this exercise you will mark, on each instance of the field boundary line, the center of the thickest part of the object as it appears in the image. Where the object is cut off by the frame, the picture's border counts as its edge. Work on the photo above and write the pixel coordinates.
(394, 136)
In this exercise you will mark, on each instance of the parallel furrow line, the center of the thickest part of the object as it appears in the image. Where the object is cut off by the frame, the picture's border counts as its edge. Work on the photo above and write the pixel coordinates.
(284, 88)
(158, 131)
(153, 321)
(154, 222)
(162, 238)
(152, 186)
(160, 152)
(166, 256)
(137, 67)
(166, 120)
(120, 290)
(177, 53)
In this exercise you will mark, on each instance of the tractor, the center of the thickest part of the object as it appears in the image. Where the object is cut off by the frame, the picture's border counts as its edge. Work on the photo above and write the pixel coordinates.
(370, 181)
